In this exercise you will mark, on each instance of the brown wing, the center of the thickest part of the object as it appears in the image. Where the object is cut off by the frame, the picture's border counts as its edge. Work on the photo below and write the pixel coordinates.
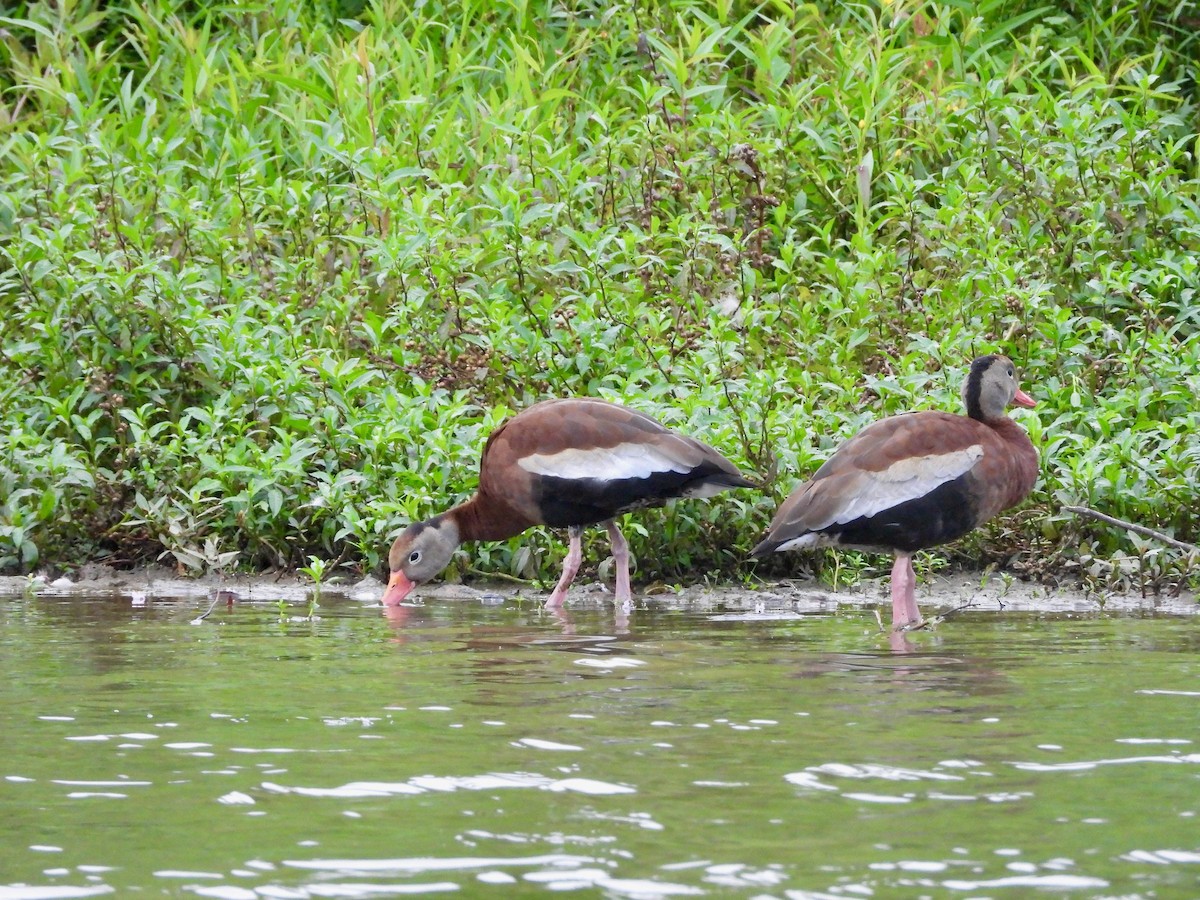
(915, 479)
(579, 461)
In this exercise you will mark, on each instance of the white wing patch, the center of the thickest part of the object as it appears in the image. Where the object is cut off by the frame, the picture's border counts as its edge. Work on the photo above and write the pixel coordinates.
(811, 539)
(629, 460)
(904, 480)
(703, 491)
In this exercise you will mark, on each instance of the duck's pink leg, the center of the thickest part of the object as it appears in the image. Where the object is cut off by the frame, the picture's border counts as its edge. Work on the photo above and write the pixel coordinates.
(904, 593)
(570, 566)
(620, 552)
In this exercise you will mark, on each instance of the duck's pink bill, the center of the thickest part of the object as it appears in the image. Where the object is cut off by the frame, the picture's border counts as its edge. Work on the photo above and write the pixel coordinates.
(1023, 399)
(397, 589)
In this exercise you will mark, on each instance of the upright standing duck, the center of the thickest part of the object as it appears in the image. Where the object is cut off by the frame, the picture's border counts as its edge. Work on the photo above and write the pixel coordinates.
(916, 480)
(566, 464)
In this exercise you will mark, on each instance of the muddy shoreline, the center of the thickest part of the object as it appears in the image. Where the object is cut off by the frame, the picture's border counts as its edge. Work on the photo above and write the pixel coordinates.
(937, 596)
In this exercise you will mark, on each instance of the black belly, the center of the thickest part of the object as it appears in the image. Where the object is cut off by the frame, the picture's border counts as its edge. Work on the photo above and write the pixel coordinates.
(585, 501)
(941, 516)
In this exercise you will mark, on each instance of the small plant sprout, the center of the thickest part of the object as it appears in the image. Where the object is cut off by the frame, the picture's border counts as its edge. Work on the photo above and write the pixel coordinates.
(315, 570)
(1008, 579)
(986, 575)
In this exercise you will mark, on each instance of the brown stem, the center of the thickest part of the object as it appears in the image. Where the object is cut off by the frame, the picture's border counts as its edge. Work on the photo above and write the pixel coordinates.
(1130, 526)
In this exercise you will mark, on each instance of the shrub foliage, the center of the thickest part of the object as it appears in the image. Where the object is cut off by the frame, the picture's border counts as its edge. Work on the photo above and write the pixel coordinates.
(270, 271)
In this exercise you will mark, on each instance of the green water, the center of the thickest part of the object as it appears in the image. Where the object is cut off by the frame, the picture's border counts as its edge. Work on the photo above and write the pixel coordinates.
(495, 750)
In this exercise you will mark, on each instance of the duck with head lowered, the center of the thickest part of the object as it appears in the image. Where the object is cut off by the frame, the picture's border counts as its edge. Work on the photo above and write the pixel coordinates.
(567, 464)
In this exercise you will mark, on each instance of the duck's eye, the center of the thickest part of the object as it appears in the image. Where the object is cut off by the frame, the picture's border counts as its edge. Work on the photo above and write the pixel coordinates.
(1011, 373)
(415, 556)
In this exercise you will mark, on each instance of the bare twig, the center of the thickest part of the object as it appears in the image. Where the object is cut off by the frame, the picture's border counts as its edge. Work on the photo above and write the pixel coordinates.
(939, 619)
(216, 598)
(502, 576)
(927, 624)
(1130, 526)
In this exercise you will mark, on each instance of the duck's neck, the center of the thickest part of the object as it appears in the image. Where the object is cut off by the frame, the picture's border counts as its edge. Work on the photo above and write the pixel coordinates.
(483, 519)
(975, 408)
(1024, 457)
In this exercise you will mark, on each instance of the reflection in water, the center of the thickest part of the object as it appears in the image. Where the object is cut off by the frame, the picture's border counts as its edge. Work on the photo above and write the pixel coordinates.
(405, 615)
(901, 642)
(398, 616)
(621, 614)
(490, 644)
(645, 752)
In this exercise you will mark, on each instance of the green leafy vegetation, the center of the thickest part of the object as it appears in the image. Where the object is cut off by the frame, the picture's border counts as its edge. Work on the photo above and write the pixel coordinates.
(271, 271)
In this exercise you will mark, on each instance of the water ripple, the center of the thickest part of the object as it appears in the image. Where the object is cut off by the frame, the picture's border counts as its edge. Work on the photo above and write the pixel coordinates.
(539, 744)
(85, 795)
(326, 890)
(184, 873)
(877, 798)
(422, 784)
(417, 865)
(1153, 741)
(610, 662)
(1053, 882)
(1083, 765)
(495, 878)
(57, 892)
(1162, 857)
(884, 773)
(118, 783)
(811, 779)
(579, 879)
(742, 875)
(638, 820)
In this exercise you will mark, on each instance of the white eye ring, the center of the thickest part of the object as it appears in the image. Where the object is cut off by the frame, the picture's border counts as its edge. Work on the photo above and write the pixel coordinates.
(415, 556)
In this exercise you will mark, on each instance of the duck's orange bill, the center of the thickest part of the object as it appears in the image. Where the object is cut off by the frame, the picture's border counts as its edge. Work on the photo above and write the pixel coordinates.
(397, 589)
(1023, 399)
